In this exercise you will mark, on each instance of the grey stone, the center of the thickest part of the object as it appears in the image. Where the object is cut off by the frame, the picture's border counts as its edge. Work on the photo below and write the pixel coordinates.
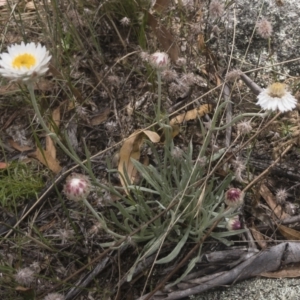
(256, 289)
(284, 42)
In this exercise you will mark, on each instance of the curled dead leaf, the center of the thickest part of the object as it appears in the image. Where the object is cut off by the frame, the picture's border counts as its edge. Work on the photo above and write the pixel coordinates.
(131, 149)
(192, 114)
(18, 147)
(46, 158)
(189, 115)
(160, 5)
(289, 233)
(100, 117)
(290, 271)
(30, 6)
(4, 165)
(258, 237)
(270, 199)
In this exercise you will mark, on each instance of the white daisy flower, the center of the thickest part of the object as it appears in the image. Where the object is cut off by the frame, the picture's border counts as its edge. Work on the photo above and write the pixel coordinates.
(24, 62)
(276, 97)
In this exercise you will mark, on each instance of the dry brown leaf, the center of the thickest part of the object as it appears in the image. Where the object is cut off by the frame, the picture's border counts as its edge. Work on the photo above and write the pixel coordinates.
(16, 146)
(164, 37)
(100, 117)
(270, 199)
(46, 159)
(47, 226)
(56, 117)
(10, 119)
(289, 233)
(23, 289)
(48, 156)
(189, 115)
(3, 165)
(192, 114)
(30, 6)
(201, 43)
(258, 237)
(160, 5)
(286, 272)
(50, 147)
(131, 149)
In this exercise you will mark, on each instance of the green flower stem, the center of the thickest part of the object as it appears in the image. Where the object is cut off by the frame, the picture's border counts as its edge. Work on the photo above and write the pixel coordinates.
(263, 115)
(159, 95)
(48, 131)
(101, 221)
(77, 160)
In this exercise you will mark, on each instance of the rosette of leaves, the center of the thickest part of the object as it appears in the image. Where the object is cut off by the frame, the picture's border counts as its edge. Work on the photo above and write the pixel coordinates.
(183, 203)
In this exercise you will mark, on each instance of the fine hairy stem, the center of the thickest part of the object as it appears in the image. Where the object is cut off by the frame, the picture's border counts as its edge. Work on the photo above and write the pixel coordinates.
(159, 96)
(263, 115)
(96, 215)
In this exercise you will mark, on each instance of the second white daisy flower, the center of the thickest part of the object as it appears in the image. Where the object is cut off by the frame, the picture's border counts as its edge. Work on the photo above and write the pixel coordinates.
(276, 97)
(24, 62)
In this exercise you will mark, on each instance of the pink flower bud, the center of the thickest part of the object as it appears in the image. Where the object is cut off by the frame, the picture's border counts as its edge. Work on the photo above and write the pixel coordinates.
(234, 197)
(234, 223)
(77, 187)
(159, 60)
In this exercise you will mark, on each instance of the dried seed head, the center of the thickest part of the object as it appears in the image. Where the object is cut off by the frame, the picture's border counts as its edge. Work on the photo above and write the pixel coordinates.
(216, 30)
(35, 266)
(264, 28)
(188, 79)
(24, 276)
(159, 60)
(188, 4)
(77, 187)
(177, 152)
(82, 112)
(234, 223)
(239, 167)
(95, 229)
(195, 28)
(169, 75)
(290, 208)
(181, 61)
(125, 21)
(234, 197)
(216, 9)
(244, 127)
(281, 196)
(114, 80)
(174, 88)
(65, 235)
(144, 56)
(233, 75)
(54, 296)
(111, 126)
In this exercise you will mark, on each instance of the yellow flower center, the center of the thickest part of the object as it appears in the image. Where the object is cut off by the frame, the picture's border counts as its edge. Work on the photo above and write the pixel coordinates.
(24, 60)
(277, 90)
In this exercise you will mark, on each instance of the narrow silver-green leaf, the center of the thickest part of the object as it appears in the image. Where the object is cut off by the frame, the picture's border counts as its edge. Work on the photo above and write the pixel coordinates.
(176, 250)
